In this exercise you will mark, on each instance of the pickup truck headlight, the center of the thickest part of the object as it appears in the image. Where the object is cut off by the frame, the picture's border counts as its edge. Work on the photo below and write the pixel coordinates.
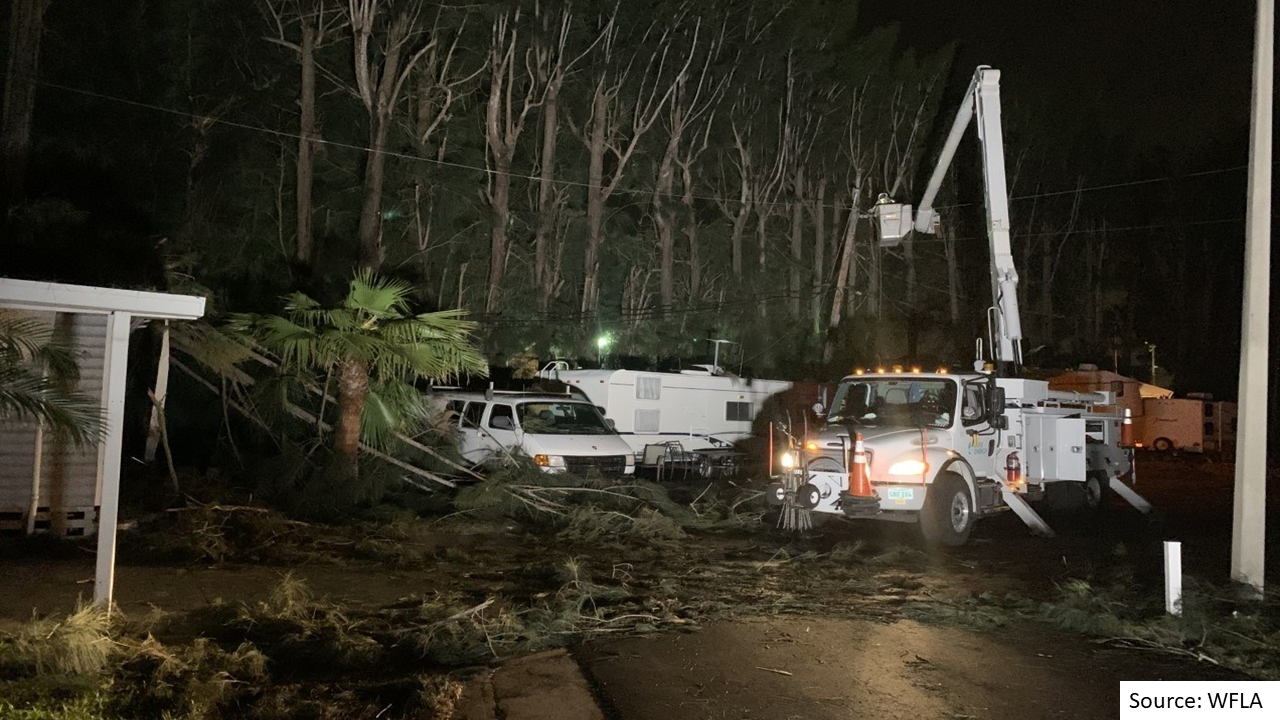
(909, 467)
(549, 461)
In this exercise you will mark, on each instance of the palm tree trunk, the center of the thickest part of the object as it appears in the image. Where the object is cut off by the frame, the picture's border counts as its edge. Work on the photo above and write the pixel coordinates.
(353, 388)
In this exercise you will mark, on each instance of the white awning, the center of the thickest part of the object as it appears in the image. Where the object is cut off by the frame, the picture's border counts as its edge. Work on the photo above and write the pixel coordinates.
(60, 297)
(120, 307)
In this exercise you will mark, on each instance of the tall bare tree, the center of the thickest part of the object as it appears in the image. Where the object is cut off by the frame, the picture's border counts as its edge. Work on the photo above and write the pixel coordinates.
(513, 94)
(26, 26)
(618, 121)
(315, 26)
(696, 92)
(859, 156)
(384, 58)
(551, 66)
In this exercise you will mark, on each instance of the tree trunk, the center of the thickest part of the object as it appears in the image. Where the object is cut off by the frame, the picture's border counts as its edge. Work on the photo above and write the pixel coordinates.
(380, 105)
(546, 199)
(953, 276)
(306, 143)
(818, 214)
(691, 232)
(1046, 293)
(26, 25)
(845, 273)
(595, 199)
(353, 389)
(369, 231)
(500, 201)
(797, 249)
(739, 230)
(664, 221)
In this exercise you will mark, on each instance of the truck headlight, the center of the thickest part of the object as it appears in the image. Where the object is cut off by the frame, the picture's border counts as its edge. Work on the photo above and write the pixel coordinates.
(909, 467)
(787, 461)
(549, 461)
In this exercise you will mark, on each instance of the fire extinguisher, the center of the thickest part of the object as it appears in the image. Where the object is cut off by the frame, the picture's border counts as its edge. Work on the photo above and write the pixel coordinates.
(1012, 470)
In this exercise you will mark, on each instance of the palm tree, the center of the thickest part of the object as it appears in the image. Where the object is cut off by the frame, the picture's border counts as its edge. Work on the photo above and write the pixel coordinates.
(35, 373)
(374, 346)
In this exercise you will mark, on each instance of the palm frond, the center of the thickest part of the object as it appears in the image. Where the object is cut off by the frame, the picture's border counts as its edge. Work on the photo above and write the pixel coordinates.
(380, 297)
(27, 396)
(221, 349)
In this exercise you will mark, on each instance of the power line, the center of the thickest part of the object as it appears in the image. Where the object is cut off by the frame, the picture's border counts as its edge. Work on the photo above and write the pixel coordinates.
(568, 183)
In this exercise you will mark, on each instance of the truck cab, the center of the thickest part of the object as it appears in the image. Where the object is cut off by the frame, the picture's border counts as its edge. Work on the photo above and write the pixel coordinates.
(947, 449)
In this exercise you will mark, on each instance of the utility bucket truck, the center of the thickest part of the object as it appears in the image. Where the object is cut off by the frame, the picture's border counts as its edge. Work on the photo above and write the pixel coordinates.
(944, 450)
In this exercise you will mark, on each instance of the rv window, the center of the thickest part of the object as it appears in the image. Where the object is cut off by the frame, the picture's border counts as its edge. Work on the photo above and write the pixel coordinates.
(471, 416)
(647, 421)
(1208, 410)
(1117, 387)
(504, 416)
(1209, 429)
(648, 388)
(737, 412)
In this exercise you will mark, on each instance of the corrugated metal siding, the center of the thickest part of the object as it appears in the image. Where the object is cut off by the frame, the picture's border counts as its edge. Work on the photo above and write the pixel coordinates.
(70, 477)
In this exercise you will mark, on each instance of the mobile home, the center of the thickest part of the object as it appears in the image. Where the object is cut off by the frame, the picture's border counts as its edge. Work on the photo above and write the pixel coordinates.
(699, 407)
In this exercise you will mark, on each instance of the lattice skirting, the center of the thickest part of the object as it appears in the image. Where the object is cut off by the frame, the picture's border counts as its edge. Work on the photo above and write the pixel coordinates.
(71, 522)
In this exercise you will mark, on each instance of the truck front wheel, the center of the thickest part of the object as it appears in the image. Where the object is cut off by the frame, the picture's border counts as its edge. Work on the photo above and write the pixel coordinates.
(948, 514)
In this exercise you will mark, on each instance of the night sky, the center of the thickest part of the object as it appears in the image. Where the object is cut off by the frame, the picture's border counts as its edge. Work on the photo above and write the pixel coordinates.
(1160, 73)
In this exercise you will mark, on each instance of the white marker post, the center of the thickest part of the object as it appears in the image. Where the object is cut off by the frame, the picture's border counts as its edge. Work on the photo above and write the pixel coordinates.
(1173, 577)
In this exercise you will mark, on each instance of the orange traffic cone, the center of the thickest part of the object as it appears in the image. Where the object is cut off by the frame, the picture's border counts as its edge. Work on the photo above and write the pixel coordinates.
(860, 474)
(1126, 430)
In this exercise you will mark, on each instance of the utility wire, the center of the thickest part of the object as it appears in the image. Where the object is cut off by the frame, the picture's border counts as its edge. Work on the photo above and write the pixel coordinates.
(576, 183)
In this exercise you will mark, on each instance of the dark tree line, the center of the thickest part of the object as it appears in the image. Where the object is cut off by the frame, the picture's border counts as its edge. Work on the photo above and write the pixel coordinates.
(662, 172)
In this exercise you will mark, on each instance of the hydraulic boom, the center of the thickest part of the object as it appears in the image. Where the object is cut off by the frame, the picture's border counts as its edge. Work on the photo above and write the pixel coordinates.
(895, 220)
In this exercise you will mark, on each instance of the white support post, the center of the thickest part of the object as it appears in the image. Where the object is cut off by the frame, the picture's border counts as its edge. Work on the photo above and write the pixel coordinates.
(114, 375)
(1248, 534)
(37, 471)
(1173, 577)
(161, 391)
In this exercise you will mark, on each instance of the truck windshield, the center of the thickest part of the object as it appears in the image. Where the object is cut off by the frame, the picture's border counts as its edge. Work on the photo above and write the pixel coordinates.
(894, 402)
(562, 418)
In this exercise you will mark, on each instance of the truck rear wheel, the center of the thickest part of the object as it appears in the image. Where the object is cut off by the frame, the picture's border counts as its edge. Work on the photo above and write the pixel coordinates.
(1097, 487)
(948, 514)
(1162, 444)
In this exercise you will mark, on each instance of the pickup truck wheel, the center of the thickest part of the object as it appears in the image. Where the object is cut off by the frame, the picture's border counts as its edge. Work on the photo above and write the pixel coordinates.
(948, 514)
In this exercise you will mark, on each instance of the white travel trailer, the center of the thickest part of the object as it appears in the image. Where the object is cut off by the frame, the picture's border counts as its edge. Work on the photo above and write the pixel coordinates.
(699, 408)
(1194, 424)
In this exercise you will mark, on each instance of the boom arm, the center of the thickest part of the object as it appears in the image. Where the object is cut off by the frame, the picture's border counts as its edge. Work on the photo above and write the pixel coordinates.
(983, 97)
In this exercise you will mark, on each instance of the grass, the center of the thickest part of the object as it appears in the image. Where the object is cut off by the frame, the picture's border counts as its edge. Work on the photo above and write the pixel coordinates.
(1213, 628)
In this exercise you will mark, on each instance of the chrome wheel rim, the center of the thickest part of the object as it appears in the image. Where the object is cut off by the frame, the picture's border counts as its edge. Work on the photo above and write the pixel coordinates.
(960, 512)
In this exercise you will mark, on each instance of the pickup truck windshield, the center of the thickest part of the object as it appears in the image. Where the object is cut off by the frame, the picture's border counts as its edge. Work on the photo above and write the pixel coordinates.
(562, 418)
(894, 402)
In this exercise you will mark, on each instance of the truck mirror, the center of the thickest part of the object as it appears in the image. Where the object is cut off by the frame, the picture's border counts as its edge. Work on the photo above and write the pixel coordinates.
(819, 410)
(995, 409)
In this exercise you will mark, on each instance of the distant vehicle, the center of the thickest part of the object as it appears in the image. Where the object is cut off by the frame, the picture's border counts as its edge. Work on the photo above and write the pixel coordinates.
(560, 433)
(700, 408)
(1188, 424)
